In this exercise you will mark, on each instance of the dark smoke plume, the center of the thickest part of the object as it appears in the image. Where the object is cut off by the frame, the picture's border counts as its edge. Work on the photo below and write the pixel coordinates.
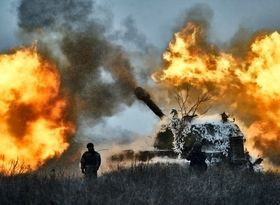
(200, 13)
(71, 27)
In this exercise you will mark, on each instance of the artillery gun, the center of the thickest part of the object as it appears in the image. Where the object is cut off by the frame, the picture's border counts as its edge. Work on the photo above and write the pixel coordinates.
(222, 138)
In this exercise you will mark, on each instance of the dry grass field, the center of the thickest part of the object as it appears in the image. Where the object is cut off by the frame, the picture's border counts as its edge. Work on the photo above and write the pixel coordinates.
(144, 184)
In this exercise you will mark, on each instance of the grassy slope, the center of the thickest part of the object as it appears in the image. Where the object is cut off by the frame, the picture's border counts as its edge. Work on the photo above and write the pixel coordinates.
(145, 184)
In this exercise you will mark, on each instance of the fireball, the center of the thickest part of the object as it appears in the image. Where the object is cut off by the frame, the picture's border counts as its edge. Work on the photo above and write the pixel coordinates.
(32, 112)
(246, 86)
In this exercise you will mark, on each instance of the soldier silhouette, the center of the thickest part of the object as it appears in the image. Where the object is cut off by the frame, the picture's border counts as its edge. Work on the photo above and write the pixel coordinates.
(197, 157)
(90, 162)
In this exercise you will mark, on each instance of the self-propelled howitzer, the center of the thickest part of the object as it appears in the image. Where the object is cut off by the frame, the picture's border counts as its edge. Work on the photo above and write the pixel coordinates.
(222, 138)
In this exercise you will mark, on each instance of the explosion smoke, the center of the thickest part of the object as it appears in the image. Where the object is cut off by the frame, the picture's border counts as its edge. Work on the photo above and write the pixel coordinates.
(71, 28)
(248, 84)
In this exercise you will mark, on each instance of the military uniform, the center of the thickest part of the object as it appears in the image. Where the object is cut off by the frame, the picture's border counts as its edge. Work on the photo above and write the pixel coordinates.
(90, 163)
(197, 158)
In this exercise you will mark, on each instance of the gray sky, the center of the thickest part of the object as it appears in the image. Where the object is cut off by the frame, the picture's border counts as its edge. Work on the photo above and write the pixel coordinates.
(156, 20)
(8, 24)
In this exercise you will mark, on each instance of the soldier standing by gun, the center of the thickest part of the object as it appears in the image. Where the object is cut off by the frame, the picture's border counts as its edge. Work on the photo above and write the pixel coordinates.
(197, 158)
(90, 162)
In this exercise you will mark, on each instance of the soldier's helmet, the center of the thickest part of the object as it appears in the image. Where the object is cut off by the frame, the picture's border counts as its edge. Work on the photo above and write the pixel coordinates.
(90, 145)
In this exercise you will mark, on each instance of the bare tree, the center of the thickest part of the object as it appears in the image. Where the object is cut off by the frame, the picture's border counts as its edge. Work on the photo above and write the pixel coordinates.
(189, 110)
(182, 99)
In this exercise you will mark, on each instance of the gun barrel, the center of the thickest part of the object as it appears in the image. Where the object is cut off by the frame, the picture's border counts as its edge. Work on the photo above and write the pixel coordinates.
(144, 96)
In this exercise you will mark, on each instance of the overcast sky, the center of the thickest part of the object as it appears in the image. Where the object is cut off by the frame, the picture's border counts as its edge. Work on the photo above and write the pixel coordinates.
(156, 20)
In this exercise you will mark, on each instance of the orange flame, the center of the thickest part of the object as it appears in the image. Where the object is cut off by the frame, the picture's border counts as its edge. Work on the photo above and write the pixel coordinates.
(247, 87)
(32, 124)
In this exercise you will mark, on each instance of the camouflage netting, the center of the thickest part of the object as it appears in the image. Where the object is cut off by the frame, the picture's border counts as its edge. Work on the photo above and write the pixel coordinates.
(212, 129)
